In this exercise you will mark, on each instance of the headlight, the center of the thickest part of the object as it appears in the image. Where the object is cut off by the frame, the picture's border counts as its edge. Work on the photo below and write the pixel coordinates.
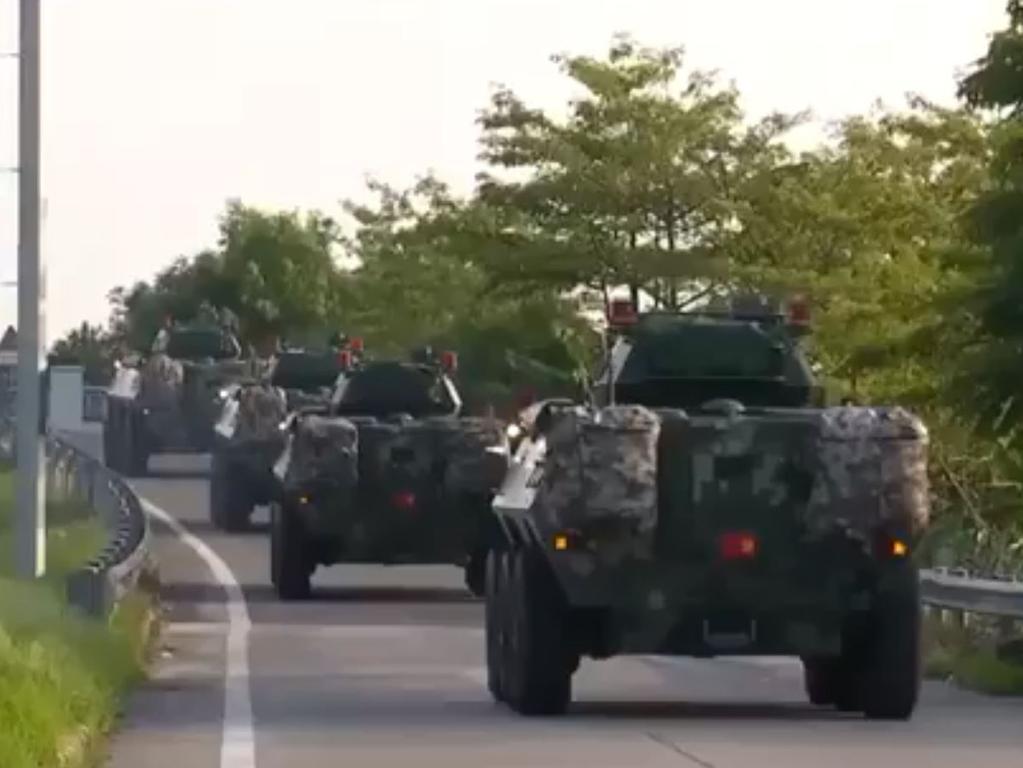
(513, 431)
(222, 394)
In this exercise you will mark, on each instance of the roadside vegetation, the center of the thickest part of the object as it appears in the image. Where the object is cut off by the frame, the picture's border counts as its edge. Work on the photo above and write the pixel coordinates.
(62, 677)
(973, 657)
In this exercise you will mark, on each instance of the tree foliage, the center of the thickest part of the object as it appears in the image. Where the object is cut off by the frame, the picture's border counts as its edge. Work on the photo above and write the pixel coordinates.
(636, 187)
(276, 272)
(996, 86)
(903, 227)
(89, 346)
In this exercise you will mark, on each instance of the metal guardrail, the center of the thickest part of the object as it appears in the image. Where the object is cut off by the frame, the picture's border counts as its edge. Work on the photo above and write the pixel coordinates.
(71, 473)
(959, 592)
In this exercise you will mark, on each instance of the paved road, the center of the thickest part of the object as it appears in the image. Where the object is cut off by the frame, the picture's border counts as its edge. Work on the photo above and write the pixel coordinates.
(385, 668)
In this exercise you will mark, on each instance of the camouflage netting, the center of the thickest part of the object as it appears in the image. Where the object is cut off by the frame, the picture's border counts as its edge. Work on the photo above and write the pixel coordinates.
(324, 447)
(261, 410)
(861, 449)
(161, 381)
(601, 467)
(868, 467)
(463, 444)
(452, 451)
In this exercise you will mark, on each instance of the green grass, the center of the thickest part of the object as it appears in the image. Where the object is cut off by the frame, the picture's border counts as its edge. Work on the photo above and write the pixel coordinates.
(952, 653)
(62, 677)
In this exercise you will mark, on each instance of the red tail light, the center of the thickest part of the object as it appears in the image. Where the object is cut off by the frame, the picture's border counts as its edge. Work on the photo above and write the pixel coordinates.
(738, 545)
(621, 312)
(405, 500)
(799, 311)
(449, 361)
(356, 345)
(344, 359)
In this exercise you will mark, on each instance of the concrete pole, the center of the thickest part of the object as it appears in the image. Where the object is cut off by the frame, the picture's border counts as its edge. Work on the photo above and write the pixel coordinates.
(30, 513)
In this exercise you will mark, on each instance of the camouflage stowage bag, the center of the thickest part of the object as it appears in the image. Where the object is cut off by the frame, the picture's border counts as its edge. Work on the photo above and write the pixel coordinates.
(601, 469)
(162, 379)
(261, 410)
(462, 446)
(324, 448)
(871, 470)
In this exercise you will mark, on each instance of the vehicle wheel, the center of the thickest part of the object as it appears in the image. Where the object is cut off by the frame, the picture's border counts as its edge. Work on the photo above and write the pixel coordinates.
(135, 457)
(493, 625)
(819, 679)
(891, 670)
(475, 573)
(504, 561)
(229, 508)
(111, 437)
(290, 570)
(540, 653)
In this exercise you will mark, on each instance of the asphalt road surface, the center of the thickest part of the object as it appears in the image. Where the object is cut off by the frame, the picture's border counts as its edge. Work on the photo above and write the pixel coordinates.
(385, 668)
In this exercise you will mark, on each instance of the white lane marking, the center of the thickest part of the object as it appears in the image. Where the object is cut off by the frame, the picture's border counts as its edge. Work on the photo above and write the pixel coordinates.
(238, 743)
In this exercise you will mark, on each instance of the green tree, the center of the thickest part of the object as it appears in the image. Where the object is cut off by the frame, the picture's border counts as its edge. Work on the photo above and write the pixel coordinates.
(995, 88)
(634, 188)
(90, 346)
(871, 228)
(276, 272)
(421, 281)
(281, 268)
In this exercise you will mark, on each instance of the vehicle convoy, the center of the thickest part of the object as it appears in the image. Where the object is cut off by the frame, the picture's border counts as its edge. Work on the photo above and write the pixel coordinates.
(248, 438)
(707, 502)
(170, 401)
(390, 472)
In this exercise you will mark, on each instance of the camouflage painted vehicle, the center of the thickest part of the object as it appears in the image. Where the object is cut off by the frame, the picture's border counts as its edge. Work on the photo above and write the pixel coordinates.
(707, 502)
(248, 437)
(390, 473)
(169, 402)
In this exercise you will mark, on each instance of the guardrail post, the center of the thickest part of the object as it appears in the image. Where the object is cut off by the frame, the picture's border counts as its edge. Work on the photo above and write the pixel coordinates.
(1006, 629)
(86, 590)
(953, 618)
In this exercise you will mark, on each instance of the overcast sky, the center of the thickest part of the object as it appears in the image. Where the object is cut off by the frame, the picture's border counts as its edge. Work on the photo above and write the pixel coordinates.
(157, 111)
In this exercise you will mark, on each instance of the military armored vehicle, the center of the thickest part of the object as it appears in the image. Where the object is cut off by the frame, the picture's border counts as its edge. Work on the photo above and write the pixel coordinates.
(707, 502)
(169, 401)
(248, 436)
(391, 472)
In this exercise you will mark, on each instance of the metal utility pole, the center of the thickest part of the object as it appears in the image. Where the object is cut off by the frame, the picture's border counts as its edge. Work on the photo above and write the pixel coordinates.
(30, 512)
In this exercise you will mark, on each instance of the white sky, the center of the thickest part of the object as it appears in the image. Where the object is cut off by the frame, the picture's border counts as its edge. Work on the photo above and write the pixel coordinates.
(156, 111)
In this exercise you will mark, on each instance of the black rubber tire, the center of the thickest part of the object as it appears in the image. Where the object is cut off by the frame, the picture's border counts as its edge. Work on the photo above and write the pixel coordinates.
(833, 682)
(135, 459)
(290, 570)
(476, 573)
(820, 680)
(493, 629)
(892, 669)
(503, 621)
(111, 434)
(230, 509)
(540, 654)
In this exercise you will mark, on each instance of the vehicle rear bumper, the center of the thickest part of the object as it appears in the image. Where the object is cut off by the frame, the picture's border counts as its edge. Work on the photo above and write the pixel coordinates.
(369, 527)
(667, 608)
